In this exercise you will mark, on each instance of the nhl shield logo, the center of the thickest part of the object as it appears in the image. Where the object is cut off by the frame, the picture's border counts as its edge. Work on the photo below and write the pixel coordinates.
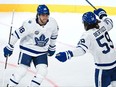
(29, 21)
(36, 32)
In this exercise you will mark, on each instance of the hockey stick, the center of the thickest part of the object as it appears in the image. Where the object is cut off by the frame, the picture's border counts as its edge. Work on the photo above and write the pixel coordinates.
(9, 37)
(91, 4)
(8, 43)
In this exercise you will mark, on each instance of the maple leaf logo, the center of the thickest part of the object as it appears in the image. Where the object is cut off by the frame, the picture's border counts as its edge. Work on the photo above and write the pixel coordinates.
(41, 41)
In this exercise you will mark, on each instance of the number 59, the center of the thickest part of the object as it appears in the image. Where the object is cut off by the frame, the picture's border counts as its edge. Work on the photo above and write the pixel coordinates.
(105, 44)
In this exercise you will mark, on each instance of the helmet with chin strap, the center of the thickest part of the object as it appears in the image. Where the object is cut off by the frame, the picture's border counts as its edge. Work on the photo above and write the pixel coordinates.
(43, 9)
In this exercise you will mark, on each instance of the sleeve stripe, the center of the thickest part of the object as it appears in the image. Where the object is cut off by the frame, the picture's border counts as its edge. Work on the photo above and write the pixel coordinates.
(53, 38)
(111, 23)
(52, 46)
(84, 45)
(13, 81)
(82, 48)
(17, 35)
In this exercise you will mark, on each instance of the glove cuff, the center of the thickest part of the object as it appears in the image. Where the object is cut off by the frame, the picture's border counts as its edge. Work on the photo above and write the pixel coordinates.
(10, 47)
(102, 14)
(69, 54)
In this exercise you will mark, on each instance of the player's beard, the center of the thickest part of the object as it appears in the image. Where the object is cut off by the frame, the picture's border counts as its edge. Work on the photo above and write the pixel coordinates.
(43, 22)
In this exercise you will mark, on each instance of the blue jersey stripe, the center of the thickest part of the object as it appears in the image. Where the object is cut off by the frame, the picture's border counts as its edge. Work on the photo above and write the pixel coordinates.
(32, 51)
(83, 45)
(17, 35)
(13, 81)
(81, 48)
(53, 38)
(52, 46)
(35, 82)
(108, 64)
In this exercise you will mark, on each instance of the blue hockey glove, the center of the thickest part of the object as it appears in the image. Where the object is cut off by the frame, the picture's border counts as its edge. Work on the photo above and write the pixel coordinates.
(63, 56)
(8, 50)
(100, 13)
(50, 53)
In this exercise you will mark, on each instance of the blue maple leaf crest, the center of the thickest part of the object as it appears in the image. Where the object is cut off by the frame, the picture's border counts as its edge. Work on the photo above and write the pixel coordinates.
(41, 41)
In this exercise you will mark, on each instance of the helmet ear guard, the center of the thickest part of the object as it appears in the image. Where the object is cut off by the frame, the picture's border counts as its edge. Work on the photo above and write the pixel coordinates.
(43, 9)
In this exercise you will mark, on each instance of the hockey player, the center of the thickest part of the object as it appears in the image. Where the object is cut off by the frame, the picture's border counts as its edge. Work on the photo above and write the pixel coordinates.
(37, 41)
(97, 40)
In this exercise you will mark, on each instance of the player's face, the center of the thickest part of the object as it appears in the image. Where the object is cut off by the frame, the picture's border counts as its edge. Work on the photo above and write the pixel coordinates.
(43, 18)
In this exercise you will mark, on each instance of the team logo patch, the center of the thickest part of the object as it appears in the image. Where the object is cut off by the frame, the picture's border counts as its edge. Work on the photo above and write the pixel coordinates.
(41, 41)
(36, 32)
(82, 41)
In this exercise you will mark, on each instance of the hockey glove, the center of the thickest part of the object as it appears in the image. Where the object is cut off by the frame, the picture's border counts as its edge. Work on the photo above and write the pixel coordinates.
(8, 50)
(63, 56)
(100, 13)
(50, 53)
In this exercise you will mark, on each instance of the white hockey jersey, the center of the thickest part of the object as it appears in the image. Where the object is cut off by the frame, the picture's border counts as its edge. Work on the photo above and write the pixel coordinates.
(98, 42)
(35, 39)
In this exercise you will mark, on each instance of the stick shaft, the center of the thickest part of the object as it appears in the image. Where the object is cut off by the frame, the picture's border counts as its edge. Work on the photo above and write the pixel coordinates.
(9, 37)
(91, 4)
(11, 27)
(6, 62)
